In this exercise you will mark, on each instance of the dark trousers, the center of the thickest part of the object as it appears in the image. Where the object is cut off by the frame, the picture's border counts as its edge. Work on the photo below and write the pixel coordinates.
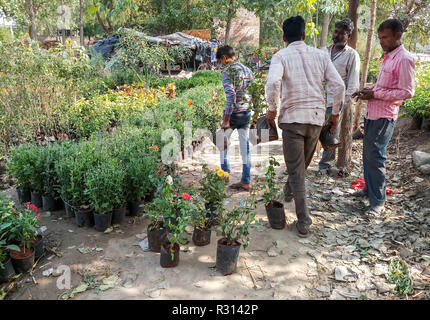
(377, 135)
(299, 143)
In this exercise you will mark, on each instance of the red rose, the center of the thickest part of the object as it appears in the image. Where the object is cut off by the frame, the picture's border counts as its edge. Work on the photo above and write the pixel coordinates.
(86, 118)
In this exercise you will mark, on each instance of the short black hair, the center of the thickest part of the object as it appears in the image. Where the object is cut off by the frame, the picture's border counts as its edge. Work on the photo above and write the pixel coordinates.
(345, 24)
(394, 25)
(294, 28)
(225, 51)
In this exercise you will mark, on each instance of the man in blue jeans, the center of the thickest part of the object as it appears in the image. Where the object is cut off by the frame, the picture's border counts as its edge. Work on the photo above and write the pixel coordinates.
(236, 78)
(396, 83)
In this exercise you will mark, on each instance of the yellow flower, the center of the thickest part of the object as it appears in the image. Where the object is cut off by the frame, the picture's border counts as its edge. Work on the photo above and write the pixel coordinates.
(226, 174)
(217, 169)
(220, 173)
(189, 102)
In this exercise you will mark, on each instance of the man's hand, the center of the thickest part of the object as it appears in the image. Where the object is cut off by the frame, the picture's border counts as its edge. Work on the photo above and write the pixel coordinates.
(226, 123)
(365, 94)
(271, 115)
(333, 122)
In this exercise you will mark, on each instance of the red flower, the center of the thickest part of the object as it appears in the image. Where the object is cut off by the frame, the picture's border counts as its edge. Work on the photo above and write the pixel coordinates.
(86, 118)
(33, 207)
(37, 216)
(92, 113)
(423, 85)
(155, 147)
(186, 196)
(27, 203)
(14, 210)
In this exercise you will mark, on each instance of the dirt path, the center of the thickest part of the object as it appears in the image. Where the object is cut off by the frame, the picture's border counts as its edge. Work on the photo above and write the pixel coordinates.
(346, 257)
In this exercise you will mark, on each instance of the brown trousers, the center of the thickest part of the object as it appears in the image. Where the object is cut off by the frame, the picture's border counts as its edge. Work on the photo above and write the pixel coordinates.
(299, 143)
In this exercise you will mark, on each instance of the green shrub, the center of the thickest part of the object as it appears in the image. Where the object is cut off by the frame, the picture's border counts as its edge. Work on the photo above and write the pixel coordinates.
(105, 186)
(21, 166)
(419, 105)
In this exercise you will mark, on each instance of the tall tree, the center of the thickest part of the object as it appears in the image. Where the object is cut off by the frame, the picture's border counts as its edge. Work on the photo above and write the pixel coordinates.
(366, 61)
(345, 149)
(81, 22)
(324, 30)
(230, 14)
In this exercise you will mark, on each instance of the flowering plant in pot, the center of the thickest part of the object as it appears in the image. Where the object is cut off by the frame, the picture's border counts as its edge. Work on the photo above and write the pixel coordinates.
(274, 209)
(21, 231)
(20, 167)
(213, 192)
(105, 187)
(200, 218)
(234, 225)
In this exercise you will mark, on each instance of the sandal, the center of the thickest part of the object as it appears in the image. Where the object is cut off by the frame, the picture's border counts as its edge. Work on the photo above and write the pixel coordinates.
(302, 233)
(238, 186)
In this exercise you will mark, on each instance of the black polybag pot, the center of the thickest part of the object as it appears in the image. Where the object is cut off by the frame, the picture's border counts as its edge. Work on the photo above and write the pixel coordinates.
(84, 217)
(166, 260)
(102, 221)
(276, 214)
(22, 265)
(7, 271)
(329, 141)
(201, 237)
(49, 203)
(156, 237)
(38, 247)
(36, 199)
(134, 208)
(261, 132)
(70, 211)
(226, 257)
(118, 215)
(24, 195)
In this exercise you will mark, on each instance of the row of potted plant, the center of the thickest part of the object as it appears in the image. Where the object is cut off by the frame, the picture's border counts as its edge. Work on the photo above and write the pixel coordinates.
(96, 179)
(174, 207)
(20, 242)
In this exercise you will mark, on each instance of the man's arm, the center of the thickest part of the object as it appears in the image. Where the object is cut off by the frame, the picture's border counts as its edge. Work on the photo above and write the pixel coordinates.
(273, 85)
(353, 77)
(230, 94)
(336, 85)
(406, 86)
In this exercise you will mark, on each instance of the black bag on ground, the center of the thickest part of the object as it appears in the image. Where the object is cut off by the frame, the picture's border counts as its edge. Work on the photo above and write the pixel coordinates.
(255, 135)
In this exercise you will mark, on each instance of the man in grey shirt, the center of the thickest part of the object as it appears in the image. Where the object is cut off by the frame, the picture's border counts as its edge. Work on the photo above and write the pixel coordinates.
(347, 63)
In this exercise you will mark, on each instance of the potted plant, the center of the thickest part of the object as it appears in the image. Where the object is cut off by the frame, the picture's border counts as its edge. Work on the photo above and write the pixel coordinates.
(169, 252)
(104, 185)
(140, 181)
(50, 194)
(234, 225)
(63, 170)
(37, 242)
(162, 206)
(20, 167)
(202, 231)
(274, 209)
(22, 230)
(36, 178)
(213, 192)
(6, 266)
(85, 158)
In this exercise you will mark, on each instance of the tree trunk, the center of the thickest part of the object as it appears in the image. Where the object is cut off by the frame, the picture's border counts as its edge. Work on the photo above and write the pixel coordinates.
(81, 22)
(230, 14)
(353, 15)
(365, 68)
(99, 19)
(32, 17)
(345, 149)
(324, 31)
(163, 4)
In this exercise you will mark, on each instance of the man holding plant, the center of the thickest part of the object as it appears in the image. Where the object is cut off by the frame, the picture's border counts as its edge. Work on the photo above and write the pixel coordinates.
(236, 78)
(299, 70)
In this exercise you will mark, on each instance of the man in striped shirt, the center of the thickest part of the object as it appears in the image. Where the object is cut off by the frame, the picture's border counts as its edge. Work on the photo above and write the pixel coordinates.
(236, 78)
(396, 83)
(300, 71)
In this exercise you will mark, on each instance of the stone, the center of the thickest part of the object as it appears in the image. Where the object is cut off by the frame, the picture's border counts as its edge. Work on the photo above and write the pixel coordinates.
(418, 180)
(380, 269)
(424, 169)
(383, 286)
(345, 274)
(281, 244)
(129, 280)
(144, 245)
(363, 243)
(48, 272)
(420, 158)
(323, 289)
(272, 252)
